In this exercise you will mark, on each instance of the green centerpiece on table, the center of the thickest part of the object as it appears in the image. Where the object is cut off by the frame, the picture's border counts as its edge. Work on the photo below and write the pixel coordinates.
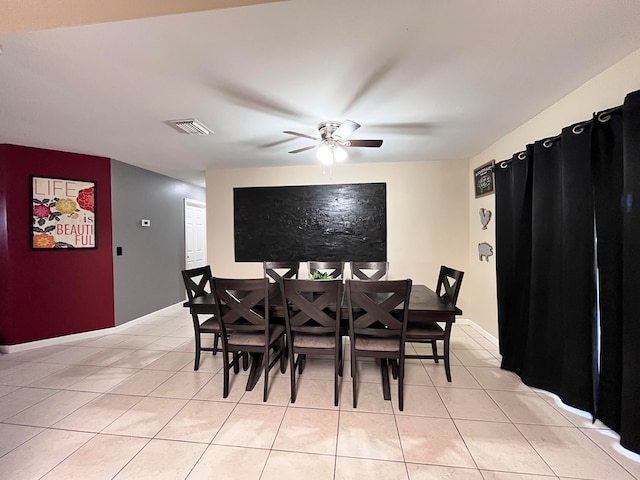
(318, 275)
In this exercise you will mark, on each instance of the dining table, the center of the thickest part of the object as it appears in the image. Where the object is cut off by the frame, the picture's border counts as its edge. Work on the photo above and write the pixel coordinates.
(424, 306)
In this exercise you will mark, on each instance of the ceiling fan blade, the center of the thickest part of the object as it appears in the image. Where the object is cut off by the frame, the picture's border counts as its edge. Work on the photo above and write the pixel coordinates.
(364, 143)
(303, 135)
(303, 149)
(345, 129)
(255, 100)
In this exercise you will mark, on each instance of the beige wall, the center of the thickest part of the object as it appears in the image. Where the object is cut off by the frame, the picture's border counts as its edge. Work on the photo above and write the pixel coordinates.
(603, 91)
(427, 205)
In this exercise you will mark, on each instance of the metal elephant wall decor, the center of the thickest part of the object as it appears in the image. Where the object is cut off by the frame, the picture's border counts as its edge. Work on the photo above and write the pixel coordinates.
(484, 250)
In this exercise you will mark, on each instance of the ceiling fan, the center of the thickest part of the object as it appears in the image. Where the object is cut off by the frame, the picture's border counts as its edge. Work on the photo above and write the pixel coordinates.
(333, 139)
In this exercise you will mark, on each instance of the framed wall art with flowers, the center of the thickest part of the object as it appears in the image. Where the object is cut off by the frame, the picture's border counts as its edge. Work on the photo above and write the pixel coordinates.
(63, 213)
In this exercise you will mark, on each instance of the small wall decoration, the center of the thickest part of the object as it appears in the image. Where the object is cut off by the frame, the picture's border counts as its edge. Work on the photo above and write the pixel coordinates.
(63, 213)
(485, 250)
(485, 217)
(483, 179)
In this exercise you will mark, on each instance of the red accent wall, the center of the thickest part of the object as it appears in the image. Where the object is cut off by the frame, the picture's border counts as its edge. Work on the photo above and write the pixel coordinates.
(49, 293)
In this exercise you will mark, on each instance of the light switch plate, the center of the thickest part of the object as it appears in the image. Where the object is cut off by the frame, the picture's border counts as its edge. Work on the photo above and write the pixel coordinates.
(145, 223)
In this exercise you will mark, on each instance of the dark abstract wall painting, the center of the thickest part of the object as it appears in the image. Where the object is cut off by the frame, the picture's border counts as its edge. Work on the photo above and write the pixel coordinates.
(341, 222)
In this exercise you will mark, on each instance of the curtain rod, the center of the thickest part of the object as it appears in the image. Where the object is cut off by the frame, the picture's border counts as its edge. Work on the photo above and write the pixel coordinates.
(577, 129)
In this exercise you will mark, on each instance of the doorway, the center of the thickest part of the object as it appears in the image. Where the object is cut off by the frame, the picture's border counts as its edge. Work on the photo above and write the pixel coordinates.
(195, 233)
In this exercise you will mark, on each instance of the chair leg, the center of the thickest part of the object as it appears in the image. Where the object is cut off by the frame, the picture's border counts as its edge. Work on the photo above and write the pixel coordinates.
(236, 361)
(447, 366)
(196, 364)
(302, 358)
(354, 379)
(227, 367)
(337, 360)
(216, 338)
(394, 368)
(245, 361)
(434, 349)
(353, 363)
(283, 356)
(401, 384)
(267, 362)
(341, 354)
(384, 378)
(292, 366)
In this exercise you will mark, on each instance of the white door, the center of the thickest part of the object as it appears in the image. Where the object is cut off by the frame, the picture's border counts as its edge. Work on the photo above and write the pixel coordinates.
(195, 233)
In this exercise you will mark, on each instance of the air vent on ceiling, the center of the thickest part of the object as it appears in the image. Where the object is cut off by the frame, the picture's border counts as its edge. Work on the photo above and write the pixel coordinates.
(190, 126)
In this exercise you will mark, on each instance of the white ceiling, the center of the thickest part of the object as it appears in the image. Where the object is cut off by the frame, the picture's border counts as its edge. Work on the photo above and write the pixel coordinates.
(436, 80)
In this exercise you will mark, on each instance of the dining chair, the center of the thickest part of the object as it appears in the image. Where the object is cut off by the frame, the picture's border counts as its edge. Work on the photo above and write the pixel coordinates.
(370, 270)
(378, 314)
(313, 325)
(276, 271)
(447, 289)
(333, 269)
(197, 282)
(242, 309)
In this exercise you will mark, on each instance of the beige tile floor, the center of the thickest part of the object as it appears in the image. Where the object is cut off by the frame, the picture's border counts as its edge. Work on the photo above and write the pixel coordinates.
(129, 406)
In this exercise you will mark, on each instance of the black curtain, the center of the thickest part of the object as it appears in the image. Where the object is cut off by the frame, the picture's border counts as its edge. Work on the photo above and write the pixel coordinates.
(513, 258)
(567, 265)
(606, 161)
(630, 413)
(546, 304)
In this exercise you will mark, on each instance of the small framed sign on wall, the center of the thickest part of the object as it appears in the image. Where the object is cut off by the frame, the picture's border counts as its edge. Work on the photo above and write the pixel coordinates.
(483, 179)
(63, 213)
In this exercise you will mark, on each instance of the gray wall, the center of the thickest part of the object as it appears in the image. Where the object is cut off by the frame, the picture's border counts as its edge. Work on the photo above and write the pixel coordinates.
(147, 275)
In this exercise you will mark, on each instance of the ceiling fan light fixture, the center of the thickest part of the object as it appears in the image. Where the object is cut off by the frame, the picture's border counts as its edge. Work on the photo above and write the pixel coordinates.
(329, 152)
(339, 153)
(325, 155)
(333, 140)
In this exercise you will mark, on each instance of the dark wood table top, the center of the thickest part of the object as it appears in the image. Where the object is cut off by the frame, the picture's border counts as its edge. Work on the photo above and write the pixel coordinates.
(423, 302)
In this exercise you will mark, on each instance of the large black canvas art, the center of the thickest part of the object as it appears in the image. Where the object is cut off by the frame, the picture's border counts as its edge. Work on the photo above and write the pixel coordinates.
(343, 222)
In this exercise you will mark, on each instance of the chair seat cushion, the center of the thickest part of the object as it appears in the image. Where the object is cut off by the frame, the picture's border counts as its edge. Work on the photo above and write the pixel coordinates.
(210, 325)
(422, 330)
(256, 339)
(372, 344)
(309, 340)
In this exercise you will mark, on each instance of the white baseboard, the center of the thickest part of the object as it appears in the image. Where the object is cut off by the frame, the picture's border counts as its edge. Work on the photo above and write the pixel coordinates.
(105, 331)
(479, 329)
(83, 335)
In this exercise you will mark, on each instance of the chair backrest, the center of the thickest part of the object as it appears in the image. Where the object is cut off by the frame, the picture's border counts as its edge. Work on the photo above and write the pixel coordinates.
(197, 282)
(378, 308)
(370, 270)
(333, 269)
(280, 270)
(449, 283)
(242, 304)
(311, 305)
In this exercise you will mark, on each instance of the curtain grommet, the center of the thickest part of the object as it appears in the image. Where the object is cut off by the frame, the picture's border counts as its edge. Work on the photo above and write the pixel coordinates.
(604, 117)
